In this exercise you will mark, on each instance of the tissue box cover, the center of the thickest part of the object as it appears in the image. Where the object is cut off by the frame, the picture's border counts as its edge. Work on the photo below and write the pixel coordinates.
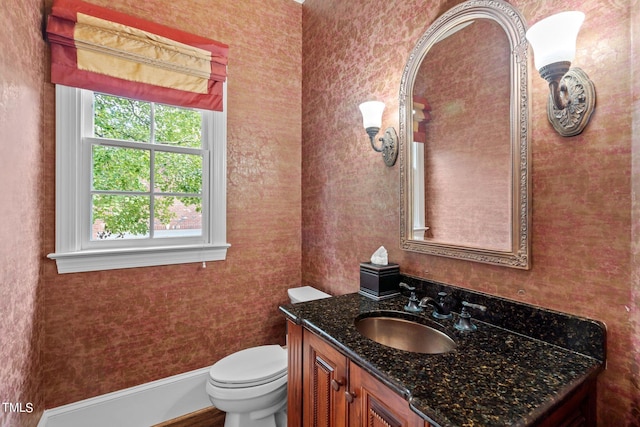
(379, 281)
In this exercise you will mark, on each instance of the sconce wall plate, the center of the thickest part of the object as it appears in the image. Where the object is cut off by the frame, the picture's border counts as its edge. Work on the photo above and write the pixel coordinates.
(580, 98)
(389, 146)
(573, 96)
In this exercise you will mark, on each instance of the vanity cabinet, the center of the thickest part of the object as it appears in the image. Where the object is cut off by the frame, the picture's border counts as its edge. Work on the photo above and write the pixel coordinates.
(332, 391)
(326, 389)
(377, 406)
(577, 410)
(339, 378)
(325, 385)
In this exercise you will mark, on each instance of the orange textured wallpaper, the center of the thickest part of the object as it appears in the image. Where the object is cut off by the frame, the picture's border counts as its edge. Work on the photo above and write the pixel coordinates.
(22, 71)
(585, 230)
(308, 213)
(109, 330)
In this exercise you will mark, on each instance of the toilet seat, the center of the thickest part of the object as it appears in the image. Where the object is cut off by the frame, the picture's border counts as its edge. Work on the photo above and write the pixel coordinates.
(250, 367)
(240, 394)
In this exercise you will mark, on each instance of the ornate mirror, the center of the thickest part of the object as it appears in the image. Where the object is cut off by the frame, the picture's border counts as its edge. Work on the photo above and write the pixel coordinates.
(464, 138)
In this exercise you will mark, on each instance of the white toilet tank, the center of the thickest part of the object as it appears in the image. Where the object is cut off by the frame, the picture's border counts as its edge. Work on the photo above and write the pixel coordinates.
(305, 293)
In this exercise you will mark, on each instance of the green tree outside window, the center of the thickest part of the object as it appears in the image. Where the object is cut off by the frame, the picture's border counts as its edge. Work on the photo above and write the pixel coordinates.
(123, 177)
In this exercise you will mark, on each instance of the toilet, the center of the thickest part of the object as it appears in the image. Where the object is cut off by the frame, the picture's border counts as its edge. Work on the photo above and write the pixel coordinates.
(305, 293)
(251, 384)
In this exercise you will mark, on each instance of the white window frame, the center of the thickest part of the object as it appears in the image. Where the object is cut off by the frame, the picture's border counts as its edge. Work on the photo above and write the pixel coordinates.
(72, 180)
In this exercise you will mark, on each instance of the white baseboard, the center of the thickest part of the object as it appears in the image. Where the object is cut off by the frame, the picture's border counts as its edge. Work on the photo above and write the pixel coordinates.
(139, 406)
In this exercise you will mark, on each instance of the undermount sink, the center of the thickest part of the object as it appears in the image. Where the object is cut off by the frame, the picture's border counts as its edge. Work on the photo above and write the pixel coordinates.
(402, 333)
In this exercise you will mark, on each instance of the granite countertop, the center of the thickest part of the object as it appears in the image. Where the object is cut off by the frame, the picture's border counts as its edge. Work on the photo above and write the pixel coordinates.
(495, 377)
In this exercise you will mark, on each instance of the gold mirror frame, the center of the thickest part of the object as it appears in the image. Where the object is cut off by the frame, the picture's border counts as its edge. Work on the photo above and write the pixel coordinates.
(514, 26)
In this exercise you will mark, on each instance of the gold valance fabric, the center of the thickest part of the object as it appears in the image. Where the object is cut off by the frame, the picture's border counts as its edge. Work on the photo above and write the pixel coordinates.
(103, 50)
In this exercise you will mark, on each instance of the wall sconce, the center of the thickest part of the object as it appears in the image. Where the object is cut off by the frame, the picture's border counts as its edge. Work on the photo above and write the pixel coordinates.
(372, 121)
(573, 95)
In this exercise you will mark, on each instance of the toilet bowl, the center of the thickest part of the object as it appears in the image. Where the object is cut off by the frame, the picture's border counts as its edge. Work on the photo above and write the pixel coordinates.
(251, 385)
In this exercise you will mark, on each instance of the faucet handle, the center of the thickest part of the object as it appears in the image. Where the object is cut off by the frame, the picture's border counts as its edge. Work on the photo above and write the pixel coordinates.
(464, 321)
(480, 307)
(412, 304)
(407, 287)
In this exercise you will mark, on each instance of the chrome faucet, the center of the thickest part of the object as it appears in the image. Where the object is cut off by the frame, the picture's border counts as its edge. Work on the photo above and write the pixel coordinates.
(440, 310)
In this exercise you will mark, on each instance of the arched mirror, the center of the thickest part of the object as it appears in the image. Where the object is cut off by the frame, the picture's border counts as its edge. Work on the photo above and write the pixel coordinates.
(464, 138)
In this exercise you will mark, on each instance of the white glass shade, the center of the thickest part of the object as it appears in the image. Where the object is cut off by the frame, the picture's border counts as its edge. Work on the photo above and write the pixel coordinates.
(554, 38)
(372, 114)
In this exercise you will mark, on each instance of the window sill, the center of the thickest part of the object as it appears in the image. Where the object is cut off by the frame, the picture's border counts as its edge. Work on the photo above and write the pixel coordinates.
(96, 260)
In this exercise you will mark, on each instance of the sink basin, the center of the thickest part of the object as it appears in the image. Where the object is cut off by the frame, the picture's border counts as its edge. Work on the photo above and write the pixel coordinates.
(404, 334)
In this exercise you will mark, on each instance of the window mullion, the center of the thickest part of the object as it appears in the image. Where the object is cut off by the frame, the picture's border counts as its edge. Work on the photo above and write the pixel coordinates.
(152, 161)
(152, 174)
(152, 124)
(144, 145)
(121, 193)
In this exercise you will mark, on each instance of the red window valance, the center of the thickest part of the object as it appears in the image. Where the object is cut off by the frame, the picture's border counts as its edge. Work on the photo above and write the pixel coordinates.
(103, 50)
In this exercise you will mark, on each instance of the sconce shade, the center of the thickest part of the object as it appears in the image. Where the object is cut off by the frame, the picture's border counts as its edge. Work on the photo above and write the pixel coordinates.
(572, 94)
(553, 39)
(372, 121)
(372, 114)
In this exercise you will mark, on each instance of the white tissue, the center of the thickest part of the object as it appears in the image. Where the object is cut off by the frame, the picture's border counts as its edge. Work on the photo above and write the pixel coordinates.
(380, 256)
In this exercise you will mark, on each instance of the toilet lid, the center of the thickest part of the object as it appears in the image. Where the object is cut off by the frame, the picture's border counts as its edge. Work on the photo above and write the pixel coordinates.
(250, 367)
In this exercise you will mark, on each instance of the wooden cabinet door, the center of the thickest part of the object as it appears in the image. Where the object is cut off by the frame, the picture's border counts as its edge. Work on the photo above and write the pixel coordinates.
(578, 410)
(324, 383)
(375, 405)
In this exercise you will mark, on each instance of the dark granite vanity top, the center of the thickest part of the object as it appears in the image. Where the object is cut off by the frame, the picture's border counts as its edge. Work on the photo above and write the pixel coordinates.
(495, 376)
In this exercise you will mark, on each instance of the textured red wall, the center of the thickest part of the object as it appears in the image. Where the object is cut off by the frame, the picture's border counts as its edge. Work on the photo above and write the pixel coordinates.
(22, 71)
(114, 329)
(582, 186)
(108, 330)
(466, 80)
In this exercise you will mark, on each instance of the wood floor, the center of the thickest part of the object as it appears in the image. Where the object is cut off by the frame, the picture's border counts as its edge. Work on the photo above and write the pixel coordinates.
(207, 417)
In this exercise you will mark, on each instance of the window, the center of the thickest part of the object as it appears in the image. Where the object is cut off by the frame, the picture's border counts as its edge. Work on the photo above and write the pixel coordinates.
(137, 183)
